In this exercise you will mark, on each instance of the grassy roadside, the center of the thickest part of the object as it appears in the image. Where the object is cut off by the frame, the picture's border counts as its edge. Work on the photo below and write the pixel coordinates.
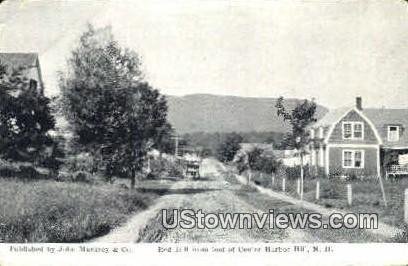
(50, 211)
(265, 203)
(367, 196)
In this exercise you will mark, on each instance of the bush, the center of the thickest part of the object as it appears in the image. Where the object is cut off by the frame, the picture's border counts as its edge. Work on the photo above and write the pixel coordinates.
(227, 149)
(256, 160)
(294, 173)
(163, 168)
(401, 237)
(81, 168)
(25, 171)
(50, 211)
(28, 172)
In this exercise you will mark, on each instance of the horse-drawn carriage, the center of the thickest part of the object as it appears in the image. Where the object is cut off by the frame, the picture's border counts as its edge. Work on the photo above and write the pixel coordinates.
(191, 166)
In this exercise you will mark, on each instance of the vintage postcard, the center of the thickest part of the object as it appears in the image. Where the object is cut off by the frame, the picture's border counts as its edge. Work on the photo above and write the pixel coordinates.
(195, 132)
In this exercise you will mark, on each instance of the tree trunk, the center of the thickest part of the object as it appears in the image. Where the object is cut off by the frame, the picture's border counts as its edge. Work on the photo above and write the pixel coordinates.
(133, 179)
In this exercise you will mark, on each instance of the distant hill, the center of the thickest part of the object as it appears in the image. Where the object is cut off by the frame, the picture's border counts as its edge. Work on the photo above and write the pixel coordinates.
(216, 113)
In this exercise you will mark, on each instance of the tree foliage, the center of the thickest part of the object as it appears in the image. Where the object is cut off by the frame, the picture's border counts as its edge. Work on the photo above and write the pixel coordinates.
(25, 121)
(257, 160)
(229, 147)
(302, 116)
(114, 114)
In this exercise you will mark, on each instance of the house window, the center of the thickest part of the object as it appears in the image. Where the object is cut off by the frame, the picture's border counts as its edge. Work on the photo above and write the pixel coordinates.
(358, 131)
(347, 132)
(353, 159)
(393, 133)
(353, 130)
(347, 159)
(358, 160)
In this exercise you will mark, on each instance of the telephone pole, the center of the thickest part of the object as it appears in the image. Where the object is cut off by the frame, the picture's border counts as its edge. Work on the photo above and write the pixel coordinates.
(176, 144)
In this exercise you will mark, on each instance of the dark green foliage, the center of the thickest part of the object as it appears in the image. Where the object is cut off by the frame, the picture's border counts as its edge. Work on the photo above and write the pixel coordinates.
(257, 160)
(115, 116)
(164, 168)
(229, 147)
(269, 164)
(294, 172)
(211, 141)
(241, 162)
(163, 140)
(25, 122)
(302, 116)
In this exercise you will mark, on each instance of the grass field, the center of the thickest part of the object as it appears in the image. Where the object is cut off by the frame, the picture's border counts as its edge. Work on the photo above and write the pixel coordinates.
(367, 196)
(50, 211)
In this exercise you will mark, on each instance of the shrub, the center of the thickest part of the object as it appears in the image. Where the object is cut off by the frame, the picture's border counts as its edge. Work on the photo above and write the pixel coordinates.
(256, 160)
(229, 147)
(81, 167)
(401, 237)
(164, 167)
(294, 172)
(26, 171)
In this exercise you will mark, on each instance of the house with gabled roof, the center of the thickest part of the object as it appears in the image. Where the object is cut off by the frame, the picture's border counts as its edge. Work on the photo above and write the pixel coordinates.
(28, 64)
(357, 141)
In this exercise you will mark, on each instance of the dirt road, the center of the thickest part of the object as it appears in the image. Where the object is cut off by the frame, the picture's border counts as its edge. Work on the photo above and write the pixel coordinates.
(219, 192)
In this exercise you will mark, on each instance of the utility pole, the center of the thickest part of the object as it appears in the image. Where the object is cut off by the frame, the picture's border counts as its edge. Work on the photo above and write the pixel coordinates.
(176, 145)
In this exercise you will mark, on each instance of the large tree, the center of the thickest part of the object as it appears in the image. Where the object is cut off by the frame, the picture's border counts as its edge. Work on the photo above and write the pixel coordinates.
(25, 120)
(229, 147)
(300, 118)
(114, 114)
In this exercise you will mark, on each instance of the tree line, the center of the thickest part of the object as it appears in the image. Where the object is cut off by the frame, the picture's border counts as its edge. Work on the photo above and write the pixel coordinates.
(114, 114)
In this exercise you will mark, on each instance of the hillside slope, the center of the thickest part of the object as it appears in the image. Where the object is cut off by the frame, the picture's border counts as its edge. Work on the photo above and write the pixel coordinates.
(215, 113)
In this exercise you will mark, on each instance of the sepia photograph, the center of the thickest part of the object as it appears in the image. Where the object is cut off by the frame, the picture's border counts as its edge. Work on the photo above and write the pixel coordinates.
(260, 123)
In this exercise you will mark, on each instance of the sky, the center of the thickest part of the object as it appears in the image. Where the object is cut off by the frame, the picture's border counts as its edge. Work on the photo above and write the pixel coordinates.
(331, 50)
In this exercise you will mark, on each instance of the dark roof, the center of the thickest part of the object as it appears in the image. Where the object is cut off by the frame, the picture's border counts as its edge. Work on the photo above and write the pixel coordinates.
(380, 117)
(17, 60)
(331, 117)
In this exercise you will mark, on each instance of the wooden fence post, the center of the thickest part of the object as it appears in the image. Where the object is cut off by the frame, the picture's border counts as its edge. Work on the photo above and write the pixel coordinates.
(284, 184)
(273, 180)
(349, 194)
(249, 177)
(406, 206)
(317, 190)
(298, 186)
(382, 190)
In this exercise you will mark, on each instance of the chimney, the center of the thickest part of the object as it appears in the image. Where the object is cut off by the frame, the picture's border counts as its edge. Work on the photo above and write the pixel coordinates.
(359, 103)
